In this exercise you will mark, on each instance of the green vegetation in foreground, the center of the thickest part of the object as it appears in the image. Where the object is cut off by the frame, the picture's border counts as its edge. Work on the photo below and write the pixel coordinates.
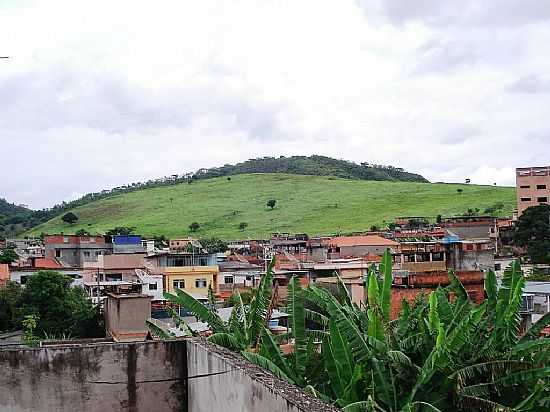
(308, 204)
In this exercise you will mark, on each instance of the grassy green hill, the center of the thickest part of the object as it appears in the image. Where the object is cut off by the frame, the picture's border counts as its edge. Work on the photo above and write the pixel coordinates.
(310, 204)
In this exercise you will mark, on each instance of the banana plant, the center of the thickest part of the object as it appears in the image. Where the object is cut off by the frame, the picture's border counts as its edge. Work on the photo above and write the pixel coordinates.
(301, 366)
(244, 328)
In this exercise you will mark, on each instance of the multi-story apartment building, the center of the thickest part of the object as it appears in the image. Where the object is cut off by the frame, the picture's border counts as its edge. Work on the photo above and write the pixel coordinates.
(532, 187)
(74, 251)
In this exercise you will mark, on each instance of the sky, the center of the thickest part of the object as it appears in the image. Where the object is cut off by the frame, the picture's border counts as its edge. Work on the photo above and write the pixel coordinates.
(99, 94)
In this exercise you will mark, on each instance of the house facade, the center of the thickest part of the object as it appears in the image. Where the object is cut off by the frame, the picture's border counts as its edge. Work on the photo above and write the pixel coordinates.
(532, 187)
(74, 251)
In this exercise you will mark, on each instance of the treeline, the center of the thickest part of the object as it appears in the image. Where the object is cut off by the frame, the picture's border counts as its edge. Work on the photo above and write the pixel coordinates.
(26, 219)
(313, 165)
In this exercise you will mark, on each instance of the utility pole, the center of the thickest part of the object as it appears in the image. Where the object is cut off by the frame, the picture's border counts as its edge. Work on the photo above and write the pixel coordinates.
(98, 301)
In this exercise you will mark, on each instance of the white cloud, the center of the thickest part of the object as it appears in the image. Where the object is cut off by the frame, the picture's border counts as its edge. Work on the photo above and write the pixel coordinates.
(98, 94)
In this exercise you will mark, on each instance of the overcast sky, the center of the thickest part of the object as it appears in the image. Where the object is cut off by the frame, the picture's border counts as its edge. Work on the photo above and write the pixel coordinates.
(102, 93)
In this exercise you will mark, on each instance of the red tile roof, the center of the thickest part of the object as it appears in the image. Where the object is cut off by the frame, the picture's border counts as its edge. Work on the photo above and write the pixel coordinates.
(371, 240)
(47, 263)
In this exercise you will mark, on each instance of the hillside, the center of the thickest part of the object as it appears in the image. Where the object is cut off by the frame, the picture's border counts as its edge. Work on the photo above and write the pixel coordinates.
(12, 218)
(310, 204)
(313, 165)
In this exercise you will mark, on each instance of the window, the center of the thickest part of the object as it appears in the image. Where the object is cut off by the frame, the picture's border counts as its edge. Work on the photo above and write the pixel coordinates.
(228, 279)
(200, 283)
(111, 277)
(65, 239)
(541, 187)
(178, 284)
(98, 253)
(469, 246)
(86, 254)
(542, 199)
(152, 286)
(525, 187)
(92, 240)
(525, 199)
(57, 253)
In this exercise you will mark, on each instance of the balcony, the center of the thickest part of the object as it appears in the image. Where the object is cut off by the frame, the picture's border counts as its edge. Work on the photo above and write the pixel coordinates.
(419, 267)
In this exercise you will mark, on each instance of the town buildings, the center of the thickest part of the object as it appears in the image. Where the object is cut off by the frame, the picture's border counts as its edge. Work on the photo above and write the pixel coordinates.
(532, 187)
(75, 251)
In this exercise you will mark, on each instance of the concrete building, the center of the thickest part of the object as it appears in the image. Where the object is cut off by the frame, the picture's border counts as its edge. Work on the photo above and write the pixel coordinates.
(470, 227)
(183, 245)
(532, 187)
(74, 251)
(152, 284)
(357, 246)
(27, 248)
(127, 244)
(236, 275)
(21, 275)
(194, 280)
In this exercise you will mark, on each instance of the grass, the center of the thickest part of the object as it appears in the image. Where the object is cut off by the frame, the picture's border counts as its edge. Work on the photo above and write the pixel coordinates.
(308, 204)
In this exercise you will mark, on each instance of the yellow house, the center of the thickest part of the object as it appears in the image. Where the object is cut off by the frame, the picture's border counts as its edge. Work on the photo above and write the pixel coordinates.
(194, 280)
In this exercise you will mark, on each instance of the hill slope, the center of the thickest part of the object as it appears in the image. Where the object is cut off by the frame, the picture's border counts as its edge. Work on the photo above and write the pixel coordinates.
(12, 218)
(313, 165)
(310, 204)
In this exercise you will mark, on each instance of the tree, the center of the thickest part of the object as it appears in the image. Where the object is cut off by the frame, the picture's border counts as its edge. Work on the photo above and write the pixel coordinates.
(70, 218)
(533, 232)
(243, 226)
(459, 191)
(121, 231)
(438, 219)
(82, 232)
(214, 245)
(193, 227)
(10, 303)
(62, 310)
(8, 256)
(271, 203)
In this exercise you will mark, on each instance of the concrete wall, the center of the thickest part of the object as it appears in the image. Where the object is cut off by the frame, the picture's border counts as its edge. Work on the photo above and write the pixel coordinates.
(184, 375)
(100, 377)
(234, 385)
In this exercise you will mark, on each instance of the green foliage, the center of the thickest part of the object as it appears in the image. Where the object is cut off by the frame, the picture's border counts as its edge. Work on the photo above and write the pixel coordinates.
(243, 226)
(213, 203)
(214, 245)
(193, 227)
(61, 309)
(120, 231)
(8, 256)
(442, 353)
(29, 325)
(533, 232)
(245, 326)
(271, 203)
(10, 303)
(69, 218)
